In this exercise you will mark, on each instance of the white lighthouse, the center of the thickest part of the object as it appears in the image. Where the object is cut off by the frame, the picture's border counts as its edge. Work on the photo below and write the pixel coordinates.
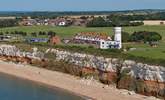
(117, 43)
(118, 38)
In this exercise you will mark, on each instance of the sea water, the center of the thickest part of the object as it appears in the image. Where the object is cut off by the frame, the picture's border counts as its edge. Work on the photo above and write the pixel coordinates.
(13, 88)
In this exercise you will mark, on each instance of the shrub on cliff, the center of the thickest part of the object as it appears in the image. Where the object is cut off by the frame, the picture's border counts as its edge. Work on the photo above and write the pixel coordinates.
(63, 67)
(125, 81)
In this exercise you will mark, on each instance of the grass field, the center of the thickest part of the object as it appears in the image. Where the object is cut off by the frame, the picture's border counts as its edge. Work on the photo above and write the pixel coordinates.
(67, 32)
(70, 31)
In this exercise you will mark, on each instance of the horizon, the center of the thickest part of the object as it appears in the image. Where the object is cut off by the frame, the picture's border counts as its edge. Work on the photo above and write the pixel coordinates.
(80, 10)
(72, 5)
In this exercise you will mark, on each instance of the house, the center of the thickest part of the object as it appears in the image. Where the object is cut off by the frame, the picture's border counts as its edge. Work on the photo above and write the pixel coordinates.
(90, 37)
(54, 40)
(80, 21)
(62, 23)
(101, 40)
(154, 44)
(41, 21)
(57, 22)
(5, 38)
(28, 22)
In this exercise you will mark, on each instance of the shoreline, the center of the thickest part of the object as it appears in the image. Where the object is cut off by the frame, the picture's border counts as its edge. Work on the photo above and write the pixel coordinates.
(47, 86)
(76, 86)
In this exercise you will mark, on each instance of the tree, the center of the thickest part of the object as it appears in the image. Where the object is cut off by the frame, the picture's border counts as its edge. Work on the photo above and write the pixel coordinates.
(125, 36)
(145, 36)
(42, 33)
(113, 20)
(34, 34)
(51, 33)
(97, 22)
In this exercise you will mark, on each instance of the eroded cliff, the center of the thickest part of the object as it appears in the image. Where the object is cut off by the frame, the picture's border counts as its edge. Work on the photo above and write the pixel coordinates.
(126, 74)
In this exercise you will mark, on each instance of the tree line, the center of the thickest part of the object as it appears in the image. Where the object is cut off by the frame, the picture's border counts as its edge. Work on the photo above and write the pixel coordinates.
(33, 34)
(106, 22)
(8, 23)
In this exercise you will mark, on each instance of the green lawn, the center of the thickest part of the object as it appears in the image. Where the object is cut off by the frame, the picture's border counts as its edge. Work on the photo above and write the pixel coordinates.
(67, 32)
(64, 32)
(145, 50)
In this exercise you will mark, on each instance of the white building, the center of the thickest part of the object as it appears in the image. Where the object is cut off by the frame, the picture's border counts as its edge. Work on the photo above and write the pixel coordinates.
(117, 43)
(93, 38)
(62, 23)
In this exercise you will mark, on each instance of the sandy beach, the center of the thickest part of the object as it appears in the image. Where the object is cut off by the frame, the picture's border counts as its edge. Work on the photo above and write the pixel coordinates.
(89, 88)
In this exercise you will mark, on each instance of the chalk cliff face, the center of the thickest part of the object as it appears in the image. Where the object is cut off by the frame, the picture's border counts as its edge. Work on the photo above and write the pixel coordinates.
(145, 72)
(142, 78)
(8, 50)
(85, 60)
(136, 70)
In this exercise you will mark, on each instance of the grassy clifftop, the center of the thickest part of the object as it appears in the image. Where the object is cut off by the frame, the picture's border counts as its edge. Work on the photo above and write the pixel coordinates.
(142, 50)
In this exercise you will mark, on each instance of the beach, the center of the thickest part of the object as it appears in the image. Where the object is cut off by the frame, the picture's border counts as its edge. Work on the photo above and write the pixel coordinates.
(89, 88)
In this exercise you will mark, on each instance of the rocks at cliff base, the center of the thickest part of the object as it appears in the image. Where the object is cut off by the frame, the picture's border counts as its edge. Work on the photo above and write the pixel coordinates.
(126, 92)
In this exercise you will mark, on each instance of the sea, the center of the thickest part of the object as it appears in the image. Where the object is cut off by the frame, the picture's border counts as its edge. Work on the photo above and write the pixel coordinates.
(13, 88)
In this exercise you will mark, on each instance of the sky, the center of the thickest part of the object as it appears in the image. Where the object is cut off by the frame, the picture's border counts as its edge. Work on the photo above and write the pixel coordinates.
(79, 5)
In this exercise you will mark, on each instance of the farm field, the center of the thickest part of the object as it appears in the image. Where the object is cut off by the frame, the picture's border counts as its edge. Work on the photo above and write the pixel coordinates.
(143, 50)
